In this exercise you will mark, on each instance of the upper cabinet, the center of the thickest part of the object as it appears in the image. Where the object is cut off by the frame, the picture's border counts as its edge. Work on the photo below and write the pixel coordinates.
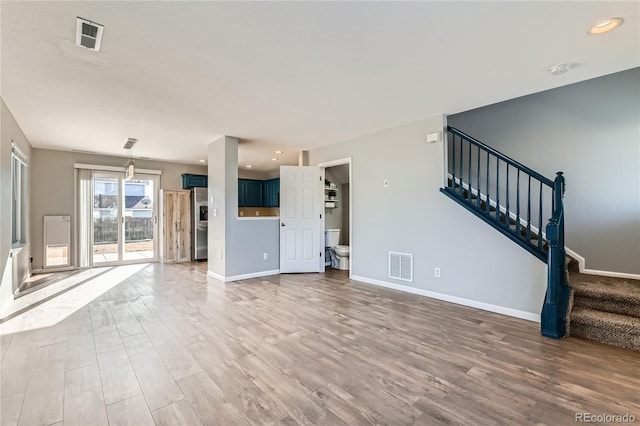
(254, 193)
(272, 193)
(249, 193)
(192, 181)
(258, 193)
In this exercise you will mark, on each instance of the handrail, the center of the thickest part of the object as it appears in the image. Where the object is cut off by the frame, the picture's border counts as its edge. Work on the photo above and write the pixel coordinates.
(478, 180)
(503, 157)
(499, 180)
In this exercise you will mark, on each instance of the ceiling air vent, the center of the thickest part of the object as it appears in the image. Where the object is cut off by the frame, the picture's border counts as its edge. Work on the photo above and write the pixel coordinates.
(88, 34)
(401, 266)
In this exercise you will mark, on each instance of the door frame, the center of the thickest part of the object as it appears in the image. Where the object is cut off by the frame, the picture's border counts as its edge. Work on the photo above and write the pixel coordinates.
(323, 166)
(155, 177)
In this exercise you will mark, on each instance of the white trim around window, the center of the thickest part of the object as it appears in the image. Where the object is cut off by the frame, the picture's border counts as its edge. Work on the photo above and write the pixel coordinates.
(19, 155)
(114, 169)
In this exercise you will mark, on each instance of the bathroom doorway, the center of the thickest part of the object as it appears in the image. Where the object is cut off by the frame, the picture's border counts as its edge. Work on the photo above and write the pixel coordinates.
(337, 229)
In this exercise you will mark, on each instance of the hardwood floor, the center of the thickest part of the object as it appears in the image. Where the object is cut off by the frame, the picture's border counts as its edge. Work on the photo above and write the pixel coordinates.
(169, 346)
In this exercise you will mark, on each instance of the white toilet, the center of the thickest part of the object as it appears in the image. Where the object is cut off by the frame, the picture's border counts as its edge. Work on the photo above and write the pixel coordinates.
(339, 253)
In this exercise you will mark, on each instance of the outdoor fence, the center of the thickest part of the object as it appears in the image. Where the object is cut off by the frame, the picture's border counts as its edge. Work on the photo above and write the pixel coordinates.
(105, 230)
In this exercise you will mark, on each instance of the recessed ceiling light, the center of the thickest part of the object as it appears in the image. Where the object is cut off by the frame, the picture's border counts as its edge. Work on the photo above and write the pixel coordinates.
(278, 152)
(202, 161)
(248, 166)
(274, 159)
(605, 25)
(560, 69)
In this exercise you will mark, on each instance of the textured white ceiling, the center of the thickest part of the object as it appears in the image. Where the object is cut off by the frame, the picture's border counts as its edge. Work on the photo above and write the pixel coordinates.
(285, 75)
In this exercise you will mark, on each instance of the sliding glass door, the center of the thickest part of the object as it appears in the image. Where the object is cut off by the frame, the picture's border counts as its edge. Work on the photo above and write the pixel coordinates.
(124, 218)
(139, 218)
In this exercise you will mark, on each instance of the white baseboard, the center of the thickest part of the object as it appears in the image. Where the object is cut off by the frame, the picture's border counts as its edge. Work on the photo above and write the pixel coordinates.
(583, 269)
(611, 274)
(243, 276)
(216, 276)
(51, 270)
(453, 299)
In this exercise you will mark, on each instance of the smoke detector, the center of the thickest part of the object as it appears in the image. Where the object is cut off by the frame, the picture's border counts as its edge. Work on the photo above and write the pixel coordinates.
(560, 69)
(88, 34)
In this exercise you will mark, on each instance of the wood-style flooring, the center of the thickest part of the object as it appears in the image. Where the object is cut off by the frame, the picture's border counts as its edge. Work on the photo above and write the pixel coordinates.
(169, 346)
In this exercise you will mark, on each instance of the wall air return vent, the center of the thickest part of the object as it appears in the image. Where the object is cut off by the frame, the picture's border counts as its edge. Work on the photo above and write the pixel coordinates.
(88, 34)
(401, 266)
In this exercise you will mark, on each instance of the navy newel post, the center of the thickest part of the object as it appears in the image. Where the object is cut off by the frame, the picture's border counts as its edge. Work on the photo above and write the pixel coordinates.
(554, 312)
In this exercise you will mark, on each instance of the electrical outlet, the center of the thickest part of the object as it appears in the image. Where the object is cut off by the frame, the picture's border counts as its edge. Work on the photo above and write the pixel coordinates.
(265, 256)
(436, 272)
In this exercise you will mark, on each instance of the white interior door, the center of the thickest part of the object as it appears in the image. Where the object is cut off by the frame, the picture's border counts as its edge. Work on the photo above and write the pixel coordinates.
(300, 219)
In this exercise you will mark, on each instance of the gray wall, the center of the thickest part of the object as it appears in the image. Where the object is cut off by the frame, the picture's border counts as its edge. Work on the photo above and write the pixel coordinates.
(250, 238)
(243, 241)
(52, 186)
(218, 179)
(412, 216)
(333, 217)
(10, 132)
(244, 173)
(252, 174)
(590, 131)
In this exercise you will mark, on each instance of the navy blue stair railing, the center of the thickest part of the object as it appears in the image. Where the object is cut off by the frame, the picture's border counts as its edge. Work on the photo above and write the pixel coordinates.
(556, 301)
(515, 200)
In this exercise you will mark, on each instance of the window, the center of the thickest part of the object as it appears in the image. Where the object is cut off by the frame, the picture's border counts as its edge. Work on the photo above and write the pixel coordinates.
(19, 196)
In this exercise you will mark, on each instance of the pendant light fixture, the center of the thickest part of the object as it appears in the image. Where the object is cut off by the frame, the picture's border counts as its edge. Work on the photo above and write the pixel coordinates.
(130, 166)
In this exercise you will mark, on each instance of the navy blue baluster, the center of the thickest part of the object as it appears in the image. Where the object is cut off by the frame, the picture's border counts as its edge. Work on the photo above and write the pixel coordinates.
(518, 204)
(453, 164)
(469, 176)
(540, 220)
(478, 180)
(498, 189)
(507, 219)
(487, 204)
(529, 210)
(461, 166)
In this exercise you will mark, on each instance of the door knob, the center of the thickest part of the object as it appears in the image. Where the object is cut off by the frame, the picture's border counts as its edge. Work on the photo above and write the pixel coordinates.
(282, 224)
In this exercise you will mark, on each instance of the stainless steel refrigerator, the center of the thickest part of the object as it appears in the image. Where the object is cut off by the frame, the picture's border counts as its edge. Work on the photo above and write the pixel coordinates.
(199, 224)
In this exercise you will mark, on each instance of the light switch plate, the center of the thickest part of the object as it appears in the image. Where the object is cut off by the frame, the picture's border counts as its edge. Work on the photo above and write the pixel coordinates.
(433, 137)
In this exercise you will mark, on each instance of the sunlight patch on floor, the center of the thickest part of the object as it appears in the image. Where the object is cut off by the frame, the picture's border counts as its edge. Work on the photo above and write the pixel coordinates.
(50, 312)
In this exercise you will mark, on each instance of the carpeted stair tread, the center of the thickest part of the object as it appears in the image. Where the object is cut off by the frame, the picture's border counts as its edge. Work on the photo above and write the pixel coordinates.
(592, 317)
(605, 288)
(605, 327)
(607, 337)
(630, 309)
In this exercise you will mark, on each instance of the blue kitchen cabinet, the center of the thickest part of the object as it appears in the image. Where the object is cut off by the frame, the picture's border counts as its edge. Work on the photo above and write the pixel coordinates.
(242, 192)
(250, 193)
(272, 193)
(194, 181)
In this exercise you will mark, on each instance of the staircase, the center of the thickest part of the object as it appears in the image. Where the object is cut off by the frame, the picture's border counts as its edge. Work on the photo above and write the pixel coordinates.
(518, 202)
(605, 309)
